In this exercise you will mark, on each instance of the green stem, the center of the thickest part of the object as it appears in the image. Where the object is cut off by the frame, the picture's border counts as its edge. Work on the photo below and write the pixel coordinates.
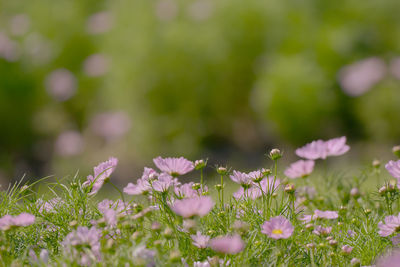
(201, 181)
(119, 191)
(222, 192)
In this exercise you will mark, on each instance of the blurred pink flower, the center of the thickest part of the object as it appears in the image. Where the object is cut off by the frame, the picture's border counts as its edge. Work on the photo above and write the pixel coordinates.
(9, 221)
(200, 10)
(49, 206)
(110, 125)
(101, 173)
(357, 78)
(199, 240)
(393, 167)
(9, 49)
(395, 67)
(320, 230)
(95, 65)
(390, 260)
(346, 249)
(186, 191)
(166, 10)
(268, 184)
(19, 24)
(325, 214)
(241, 178)
(119, 206)
(98, 23)
(322, 149)
(189, 207)
(300, 168)
(252, 192)
(142, 186)
(391, 225)
(61, 84)
(277, 228)
(227, 244)
(174, 166)
(83, 236)
(69, 143)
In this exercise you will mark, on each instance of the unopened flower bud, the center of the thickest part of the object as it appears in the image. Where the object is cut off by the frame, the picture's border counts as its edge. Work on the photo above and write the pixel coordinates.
(222, 170)
(329, 238)
(240, 226)
(367, 211)
(355, 262)
(346, 249)
(392, 185)
(321, 245)
(382, 190)
(376, 163)
(354, 192)
(332, 254)
(289, 188)
(310, 226)
(73, 223)
(200, 164)
(310, 245)
(135, 235)
(274, 195)
(339, 223)
(396, 151)
(157, 243)
(196, 186)
(155, 226)
(189, 225)
(218, 187)
(275, 154)
(109, 244)
(266, 172)
(353, 221)
(168, 232)
(175, 256)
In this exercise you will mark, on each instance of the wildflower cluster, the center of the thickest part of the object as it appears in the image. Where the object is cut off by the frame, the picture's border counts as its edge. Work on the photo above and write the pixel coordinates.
(158, 221)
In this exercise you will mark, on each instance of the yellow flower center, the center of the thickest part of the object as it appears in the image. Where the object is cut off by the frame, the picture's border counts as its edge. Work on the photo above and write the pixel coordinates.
(277, 231)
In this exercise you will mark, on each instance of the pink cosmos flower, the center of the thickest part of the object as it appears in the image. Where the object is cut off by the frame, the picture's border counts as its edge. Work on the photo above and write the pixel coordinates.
(319, 230)
(241, 178)
(346, 249)
(186, 191)
(252, 192)
(395, 240)
(197, 206)
(227, 244)
(277, 228)
(268, 184)
(199, 240)
(99, 22)
(322, 149)
(300, 168)
(101, 173)
(119, 206)
(9, 221)
(326, 214)
(61, 84)
(49, 206)
(393, 167)
(174, 166)
(390, 260)
(141, 187)
(359, 77)
(164, 182)
(111, 125)
(83, 236)
(391, 225)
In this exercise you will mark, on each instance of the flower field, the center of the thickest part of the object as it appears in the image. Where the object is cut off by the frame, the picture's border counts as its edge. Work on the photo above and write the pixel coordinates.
(277, 216)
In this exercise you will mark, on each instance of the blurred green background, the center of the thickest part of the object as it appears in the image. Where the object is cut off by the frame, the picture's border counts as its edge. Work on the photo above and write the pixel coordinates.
(84, 80)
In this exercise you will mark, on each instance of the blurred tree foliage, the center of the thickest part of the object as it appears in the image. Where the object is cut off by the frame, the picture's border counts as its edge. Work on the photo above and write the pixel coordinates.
(200, 75)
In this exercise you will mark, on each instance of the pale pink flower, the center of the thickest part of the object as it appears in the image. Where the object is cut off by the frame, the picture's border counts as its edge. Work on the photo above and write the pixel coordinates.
(359, 77)
(346, 249)
(186, 190)
(166, 10)
(322, 149)
(95, 65)
(142, 253)
(164, 182)
(390, 260)
(49, 206)
(197, 206)
(101, 173)
(199, 240)
(307, 218)
(391, 225)
(100, 22)
(111, 125)
(141, 187)
(174, 166)
(9, 49)
(9, 221)
(326, 214)
(268, 184)
(395, 240)
(119, 206)
(241, 178)
(252, 192)
(320, 230)
(300, 168)
(19, 24)
(227, 244)
(395, 67)
(277, 228)
(83, 236)
(393, 167)
(69, 143)
(336, 146)
(61, 84)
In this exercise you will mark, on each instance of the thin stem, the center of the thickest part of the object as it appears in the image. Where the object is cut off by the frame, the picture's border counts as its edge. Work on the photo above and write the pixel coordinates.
(120, 192)
(222, 192)
(201, 180)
